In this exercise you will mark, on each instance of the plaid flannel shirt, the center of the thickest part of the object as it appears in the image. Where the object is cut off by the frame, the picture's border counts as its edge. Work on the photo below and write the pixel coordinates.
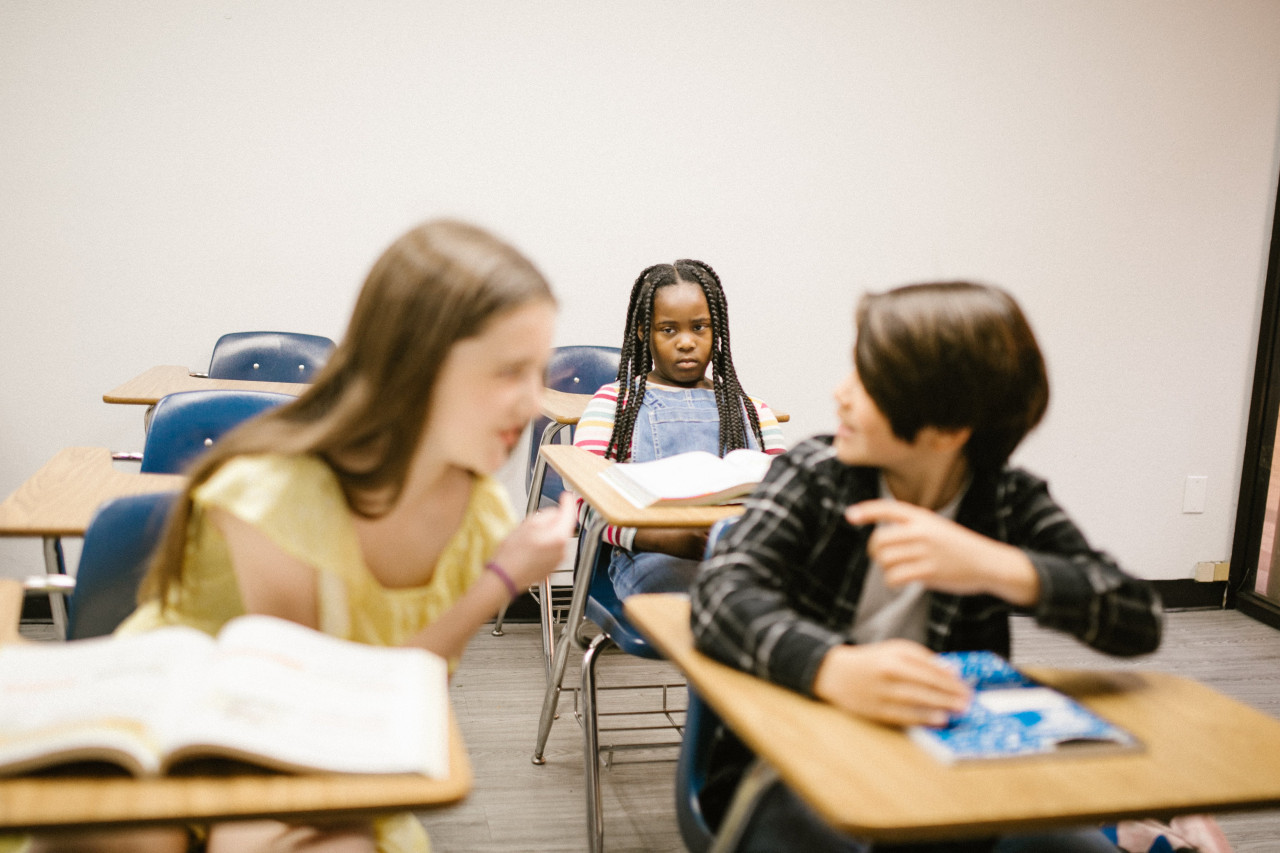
(783, 585)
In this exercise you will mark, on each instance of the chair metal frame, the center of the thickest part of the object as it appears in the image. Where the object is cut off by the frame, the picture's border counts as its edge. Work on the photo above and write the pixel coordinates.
(565, 372)
(594, 601)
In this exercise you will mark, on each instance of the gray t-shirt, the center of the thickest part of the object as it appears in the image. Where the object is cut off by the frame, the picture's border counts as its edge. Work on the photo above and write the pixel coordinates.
(886, 613)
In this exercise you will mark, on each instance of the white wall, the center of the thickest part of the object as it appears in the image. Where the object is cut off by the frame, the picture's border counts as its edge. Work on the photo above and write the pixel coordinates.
(174, 169)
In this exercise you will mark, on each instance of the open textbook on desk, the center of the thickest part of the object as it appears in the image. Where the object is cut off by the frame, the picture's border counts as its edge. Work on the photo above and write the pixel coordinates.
(695, 478)
(1012, 716)
(268, 692)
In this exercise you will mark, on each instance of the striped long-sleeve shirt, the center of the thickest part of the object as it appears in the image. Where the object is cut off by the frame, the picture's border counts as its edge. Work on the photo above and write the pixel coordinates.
(595, 428)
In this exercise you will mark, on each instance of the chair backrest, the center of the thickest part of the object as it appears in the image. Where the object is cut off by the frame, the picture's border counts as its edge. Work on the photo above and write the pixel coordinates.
(117, 544)
(185, 424)
(269, 356)
(700, 725)
(575, 370)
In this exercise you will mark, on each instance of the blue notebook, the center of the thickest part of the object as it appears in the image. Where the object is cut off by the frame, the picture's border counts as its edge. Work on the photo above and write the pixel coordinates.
(1012, 716)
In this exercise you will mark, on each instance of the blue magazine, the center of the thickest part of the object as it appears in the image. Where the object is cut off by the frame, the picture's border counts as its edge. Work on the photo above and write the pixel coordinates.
(1013, 716)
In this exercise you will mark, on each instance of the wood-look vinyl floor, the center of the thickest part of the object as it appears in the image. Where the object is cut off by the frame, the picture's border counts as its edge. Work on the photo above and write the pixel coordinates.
(517, 807)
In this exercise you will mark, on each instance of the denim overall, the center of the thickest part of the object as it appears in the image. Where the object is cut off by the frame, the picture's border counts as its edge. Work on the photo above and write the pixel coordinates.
(670, 421)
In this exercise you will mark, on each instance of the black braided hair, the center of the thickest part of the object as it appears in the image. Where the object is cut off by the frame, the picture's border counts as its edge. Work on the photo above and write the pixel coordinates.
(637, 359)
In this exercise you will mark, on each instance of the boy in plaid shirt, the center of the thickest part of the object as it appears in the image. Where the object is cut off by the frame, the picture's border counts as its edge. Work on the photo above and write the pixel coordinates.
(864, 554)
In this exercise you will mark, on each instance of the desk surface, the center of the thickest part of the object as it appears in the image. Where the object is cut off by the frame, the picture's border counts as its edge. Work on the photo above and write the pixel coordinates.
(563, 407)
(60, 498)
(147, 388)
(28, 803)
(1203, 752)
(581, 470)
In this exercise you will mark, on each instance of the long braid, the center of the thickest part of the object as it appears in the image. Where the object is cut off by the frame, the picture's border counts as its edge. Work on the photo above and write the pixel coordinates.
(637, 359)
(731, 400)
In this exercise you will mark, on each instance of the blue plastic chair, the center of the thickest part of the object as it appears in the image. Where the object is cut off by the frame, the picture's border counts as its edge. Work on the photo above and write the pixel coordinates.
(185, 424)
(700, 725)
(574, 370)
(269, 356)
(117, 547)
(579, 369)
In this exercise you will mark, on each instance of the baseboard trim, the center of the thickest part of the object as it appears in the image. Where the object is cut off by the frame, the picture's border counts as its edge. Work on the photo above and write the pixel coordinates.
(1259, 607)
(1187, 594)
(523, 609)
(35, 608)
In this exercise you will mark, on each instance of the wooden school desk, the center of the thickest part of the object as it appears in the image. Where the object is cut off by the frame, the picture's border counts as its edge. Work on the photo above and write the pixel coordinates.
(61, 498)
(147, 388)
(1203, 752)
(580, 470)
(28, 803)
(562, 409)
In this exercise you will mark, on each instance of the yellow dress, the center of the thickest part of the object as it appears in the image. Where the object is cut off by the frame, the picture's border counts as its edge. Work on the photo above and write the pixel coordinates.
(297, 502)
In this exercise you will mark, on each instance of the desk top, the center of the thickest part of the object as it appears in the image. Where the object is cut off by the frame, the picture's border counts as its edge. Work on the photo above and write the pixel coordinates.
(60, 498)
(28, 803)
(563, 407)
(147, 388)
(581, 470)
(1203, 752)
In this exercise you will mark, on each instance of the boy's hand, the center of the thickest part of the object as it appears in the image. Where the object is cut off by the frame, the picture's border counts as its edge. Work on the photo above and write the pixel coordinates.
(536, 547)
(915, 544)
(896, 682)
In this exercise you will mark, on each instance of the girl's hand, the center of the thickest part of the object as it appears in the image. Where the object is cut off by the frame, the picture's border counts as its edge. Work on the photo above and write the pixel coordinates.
(896, 682)
(686, 542)
(536, 547)
(913, 544)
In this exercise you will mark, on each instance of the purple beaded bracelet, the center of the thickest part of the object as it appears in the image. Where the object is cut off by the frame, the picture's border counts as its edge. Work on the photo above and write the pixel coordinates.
(504, 577)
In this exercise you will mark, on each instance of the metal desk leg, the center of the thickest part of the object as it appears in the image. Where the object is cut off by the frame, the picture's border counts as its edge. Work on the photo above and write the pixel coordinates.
(569, 636)
(591, 743)
(55, 565)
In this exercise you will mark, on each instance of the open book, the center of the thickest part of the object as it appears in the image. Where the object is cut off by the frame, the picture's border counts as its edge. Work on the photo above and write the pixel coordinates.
(1013, 716)
(696, 478)
(267, 691)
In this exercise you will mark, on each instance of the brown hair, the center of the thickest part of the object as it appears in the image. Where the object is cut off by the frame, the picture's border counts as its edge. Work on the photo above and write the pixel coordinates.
(441, 282)
(953, 355)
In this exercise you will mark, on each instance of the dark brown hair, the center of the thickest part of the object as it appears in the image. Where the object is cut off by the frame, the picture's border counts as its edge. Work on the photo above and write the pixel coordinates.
(637, 358)
(441, 282)
(953, 355)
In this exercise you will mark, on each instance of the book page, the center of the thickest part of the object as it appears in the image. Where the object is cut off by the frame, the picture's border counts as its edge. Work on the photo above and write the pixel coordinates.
(98, 699)
(692, 477)
(753, 464)
(291, 698)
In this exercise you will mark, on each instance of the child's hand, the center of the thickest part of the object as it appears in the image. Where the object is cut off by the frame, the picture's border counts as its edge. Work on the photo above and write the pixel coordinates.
(536, 547)
(913, 544)
(896, 682)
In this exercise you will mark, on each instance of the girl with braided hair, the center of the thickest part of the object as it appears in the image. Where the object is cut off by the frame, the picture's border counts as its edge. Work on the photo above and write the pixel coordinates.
(663, 403)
